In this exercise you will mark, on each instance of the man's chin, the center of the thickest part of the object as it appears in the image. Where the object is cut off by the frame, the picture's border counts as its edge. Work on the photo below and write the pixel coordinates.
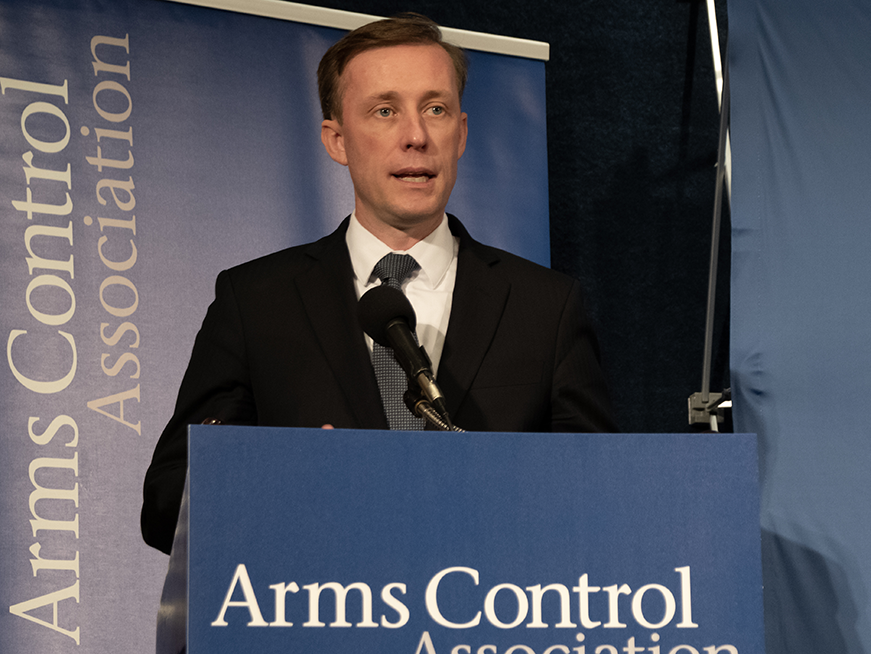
(415, 220)
(411, 220)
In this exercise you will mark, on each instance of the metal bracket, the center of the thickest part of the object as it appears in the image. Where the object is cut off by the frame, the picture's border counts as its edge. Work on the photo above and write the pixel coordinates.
(709, 412)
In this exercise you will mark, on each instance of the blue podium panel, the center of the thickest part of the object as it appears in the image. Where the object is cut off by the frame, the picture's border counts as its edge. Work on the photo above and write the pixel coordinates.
(353, 542)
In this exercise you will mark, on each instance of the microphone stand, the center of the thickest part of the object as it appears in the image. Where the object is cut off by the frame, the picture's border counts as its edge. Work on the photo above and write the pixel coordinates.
(422, 408)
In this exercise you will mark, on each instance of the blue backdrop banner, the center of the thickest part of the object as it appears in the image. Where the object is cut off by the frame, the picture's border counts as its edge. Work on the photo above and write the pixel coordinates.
(801, 364)
(147, 145)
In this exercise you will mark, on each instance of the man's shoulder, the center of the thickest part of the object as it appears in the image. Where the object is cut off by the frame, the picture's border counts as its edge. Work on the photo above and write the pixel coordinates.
(267, 264)
(511, 266)
(292, 261)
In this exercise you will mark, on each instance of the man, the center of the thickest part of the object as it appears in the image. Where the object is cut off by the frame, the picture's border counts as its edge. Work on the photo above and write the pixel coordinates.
(281, 344)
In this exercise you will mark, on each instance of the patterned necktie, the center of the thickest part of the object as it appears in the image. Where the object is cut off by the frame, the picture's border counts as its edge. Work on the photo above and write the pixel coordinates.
(392, 270)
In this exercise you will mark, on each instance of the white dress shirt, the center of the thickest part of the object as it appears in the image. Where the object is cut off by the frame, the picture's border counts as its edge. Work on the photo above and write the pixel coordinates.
(430, 289)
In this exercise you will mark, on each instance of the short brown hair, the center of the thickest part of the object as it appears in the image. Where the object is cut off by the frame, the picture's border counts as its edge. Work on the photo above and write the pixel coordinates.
(403, 29)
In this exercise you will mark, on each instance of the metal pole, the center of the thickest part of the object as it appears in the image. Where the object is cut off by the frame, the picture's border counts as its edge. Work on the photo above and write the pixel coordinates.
(715, 241)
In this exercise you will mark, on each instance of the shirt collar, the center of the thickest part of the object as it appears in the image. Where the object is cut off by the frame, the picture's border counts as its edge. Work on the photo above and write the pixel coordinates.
(434, 253)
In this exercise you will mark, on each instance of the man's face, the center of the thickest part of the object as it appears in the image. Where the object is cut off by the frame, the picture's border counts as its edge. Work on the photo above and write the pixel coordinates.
(401, 135)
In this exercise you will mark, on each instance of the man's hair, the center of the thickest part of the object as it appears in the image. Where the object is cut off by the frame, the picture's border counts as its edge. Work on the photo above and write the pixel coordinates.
(402, 29)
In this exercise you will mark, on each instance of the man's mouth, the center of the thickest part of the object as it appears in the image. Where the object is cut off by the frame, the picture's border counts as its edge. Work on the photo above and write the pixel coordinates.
(417, 176)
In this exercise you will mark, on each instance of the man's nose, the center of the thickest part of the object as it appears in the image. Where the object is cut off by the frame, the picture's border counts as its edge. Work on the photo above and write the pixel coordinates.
(414, 132)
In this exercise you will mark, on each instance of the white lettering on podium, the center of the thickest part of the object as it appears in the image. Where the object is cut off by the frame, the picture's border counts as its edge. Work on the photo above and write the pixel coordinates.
(249, 602)
(432, 601)
(528, 602)
(686, 594)
(281, 591)
(426, 645)
(396, 605)
(241, 582)
(537, 592)
(341, 593)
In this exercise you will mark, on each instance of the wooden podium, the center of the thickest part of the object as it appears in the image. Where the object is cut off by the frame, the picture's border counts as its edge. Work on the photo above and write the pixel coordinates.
(351, 542)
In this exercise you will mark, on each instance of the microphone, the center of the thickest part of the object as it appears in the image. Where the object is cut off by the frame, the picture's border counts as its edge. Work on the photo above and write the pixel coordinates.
(388, 317)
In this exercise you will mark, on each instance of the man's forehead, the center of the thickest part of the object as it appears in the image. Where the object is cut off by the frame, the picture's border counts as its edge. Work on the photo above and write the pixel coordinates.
(373, 66)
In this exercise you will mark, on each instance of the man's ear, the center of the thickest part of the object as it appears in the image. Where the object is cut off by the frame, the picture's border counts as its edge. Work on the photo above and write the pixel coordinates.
(334, 142)
(464, 133)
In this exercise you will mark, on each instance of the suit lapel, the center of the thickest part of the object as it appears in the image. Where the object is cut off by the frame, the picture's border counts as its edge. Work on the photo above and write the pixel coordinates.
(329, 300)
(478, 303)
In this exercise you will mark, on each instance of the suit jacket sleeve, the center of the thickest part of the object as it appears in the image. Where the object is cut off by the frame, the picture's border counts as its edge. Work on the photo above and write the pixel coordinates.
(216, 385)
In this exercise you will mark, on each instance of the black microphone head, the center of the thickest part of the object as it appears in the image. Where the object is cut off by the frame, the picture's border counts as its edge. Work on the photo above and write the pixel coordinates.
(381, 305)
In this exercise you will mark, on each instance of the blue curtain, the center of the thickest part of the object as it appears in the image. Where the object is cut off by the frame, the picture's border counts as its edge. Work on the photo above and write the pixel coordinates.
(801, 307)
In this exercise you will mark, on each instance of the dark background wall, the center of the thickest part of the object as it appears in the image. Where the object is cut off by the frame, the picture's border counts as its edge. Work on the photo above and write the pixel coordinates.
(632, 147)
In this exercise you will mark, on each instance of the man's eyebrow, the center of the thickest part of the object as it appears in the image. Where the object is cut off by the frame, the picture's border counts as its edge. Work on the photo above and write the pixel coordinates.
(385, 96)
(436, 94)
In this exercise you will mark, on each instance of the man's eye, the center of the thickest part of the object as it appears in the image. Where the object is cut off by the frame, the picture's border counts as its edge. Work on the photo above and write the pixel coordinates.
(385, 112)
(438, 111)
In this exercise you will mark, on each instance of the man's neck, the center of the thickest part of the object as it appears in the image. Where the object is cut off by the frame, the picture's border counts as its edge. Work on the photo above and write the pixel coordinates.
(399, 239)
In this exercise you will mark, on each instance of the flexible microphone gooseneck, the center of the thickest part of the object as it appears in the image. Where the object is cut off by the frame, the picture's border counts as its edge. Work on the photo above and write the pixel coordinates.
(387, 316)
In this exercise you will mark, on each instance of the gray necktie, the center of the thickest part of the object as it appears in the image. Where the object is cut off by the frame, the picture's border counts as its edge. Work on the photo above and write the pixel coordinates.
(392, 270)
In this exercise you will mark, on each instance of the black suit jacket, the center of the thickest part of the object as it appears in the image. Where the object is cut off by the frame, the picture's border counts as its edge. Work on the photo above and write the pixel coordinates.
(281, 345)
